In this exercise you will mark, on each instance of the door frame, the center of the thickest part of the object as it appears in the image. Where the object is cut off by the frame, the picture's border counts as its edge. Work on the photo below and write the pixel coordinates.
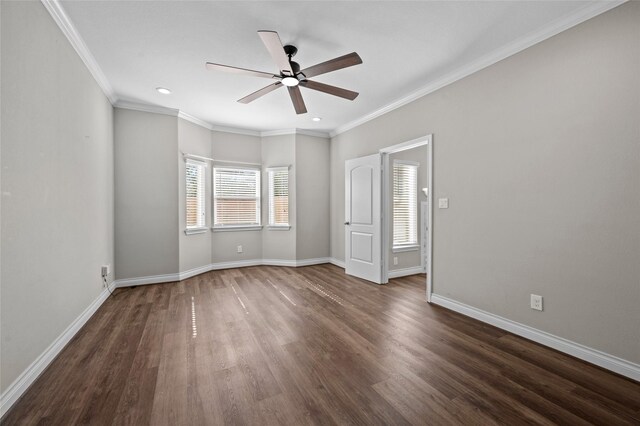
(386, 205)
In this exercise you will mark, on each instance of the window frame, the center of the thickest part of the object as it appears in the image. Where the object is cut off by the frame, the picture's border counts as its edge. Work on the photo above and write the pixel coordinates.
(409, 245)
(258, 199)
(201, 226)
(271, 224)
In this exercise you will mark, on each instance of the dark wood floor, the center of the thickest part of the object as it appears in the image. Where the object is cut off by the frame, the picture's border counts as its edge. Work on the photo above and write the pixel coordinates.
(270, 345)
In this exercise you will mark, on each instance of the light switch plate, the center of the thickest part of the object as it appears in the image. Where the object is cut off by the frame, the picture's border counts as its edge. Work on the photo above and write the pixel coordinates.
(443, 203)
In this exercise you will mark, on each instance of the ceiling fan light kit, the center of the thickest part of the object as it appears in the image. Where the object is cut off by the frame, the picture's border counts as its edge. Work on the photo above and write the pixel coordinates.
(291, 75)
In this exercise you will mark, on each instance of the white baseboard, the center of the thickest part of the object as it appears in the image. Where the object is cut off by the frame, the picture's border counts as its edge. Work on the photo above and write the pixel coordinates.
(235, 264)
(594, 356)
(315, 261)
(152, 279)
(28, 376)
(397, 273)
(279, 262)
(339, 263)
(193, 272)
(157, 279)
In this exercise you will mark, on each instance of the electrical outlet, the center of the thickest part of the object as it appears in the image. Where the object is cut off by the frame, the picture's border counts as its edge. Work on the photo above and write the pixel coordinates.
(105, 270)
(443, 203)
(536, 302)
(395, 260)
(239, 249)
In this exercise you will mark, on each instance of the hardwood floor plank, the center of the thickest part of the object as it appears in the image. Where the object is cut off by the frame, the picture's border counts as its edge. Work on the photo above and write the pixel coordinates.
(269, 345)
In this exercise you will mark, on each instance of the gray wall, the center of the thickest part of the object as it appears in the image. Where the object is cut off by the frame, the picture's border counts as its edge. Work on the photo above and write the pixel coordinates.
(195, 249)
(146, 182)
(279, 151)
(540, 157)
(57, 186)
(312, 194)
(243, 148)
(409, 259)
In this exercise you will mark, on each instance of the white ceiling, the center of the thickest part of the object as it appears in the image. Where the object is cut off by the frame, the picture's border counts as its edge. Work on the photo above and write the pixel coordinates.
(405, 46)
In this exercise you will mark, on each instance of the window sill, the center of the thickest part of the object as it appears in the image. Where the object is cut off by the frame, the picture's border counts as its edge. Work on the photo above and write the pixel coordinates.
(191, 231)
(400, 249)
(279, 227)
(236, 228)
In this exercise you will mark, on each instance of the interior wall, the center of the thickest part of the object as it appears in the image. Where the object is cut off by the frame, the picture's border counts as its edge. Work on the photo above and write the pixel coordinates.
(312, 195)
(539, 156)
(195, 249)
(57, 213)
(146, 189)
(408, 259)
(279, 151)
(236, 148)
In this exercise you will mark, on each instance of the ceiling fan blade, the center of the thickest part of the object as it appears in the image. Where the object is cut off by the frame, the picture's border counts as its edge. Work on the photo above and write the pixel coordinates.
(236, 70)
(332, 65)
(259, 93)
(332, 90)
(273, 44)
(296, 98)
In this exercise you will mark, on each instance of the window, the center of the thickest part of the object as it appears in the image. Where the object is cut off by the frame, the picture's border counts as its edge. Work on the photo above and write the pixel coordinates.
(194, 177)
(405, 204)
(236, 197)
(278, 178)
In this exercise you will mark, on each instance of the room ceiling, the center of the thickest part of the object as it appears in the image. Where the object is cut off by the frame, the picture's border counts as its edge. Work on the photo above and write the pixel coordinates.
(405, 46)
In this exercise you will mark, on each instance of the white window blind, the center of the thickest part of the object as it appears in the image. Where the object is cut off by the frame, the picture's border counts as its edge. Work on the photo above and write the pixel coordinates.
(236, 197)
(278, 178)
(405, 204)
(194, 177)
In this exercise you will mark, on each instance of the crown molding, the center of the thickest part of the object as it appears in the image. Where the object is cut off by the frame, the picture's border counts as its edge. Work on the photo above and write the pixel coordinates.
(294, 131)
(194, 120)
(61, 18)
(555, 27)
(235, 130)
(156, 109)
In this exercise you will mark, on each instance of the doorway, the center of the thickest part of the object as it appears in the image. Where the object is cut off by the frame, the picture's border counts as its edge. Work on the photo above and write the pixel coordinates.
(369, 215)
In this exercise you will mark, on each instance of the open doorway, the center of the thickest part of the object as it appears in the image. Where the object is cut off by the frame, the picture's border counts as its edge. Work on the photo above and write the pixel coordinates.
(407, 224)
(388, 231)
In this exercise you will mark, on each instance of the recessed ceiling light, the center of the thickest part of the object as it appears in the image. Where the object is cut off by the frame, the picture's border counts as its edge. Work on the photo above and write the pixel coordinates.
(290, 81)
(316, 118)
(163, 90)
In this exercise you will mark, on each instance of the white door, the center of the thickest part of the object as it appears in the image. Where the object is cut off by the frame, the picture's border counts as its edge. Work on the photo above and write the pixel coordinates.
(363, 255)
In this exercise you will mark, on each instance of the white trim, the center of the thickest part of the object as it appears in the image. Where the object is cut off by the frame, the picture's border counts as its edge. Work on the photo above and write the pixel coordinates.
(235, 130)
(593, 356)
(61, 18)
(230, 228)
(278, 169)
(278, 227)
(402, 249)
(396, 273)
(193, 231)
(158, 279)
(279, 262)
(151, 279)
(155, 109)
(339, 263)
(296, 131)
(193, 272)
(194, 120)
(313, 261)
(235, 264)
(429, 265)
(31, 373)
(555, 27)
(404, 146)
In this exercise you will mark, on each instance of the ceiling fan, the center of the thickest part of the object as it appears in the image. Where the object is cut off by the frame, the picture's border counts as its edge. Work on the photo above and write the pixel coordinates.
(290, 74)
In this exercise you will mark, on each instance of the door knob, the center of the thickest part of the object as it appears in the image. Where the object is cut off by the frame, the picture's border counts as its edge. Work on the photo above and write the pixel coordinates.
(347, 223)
